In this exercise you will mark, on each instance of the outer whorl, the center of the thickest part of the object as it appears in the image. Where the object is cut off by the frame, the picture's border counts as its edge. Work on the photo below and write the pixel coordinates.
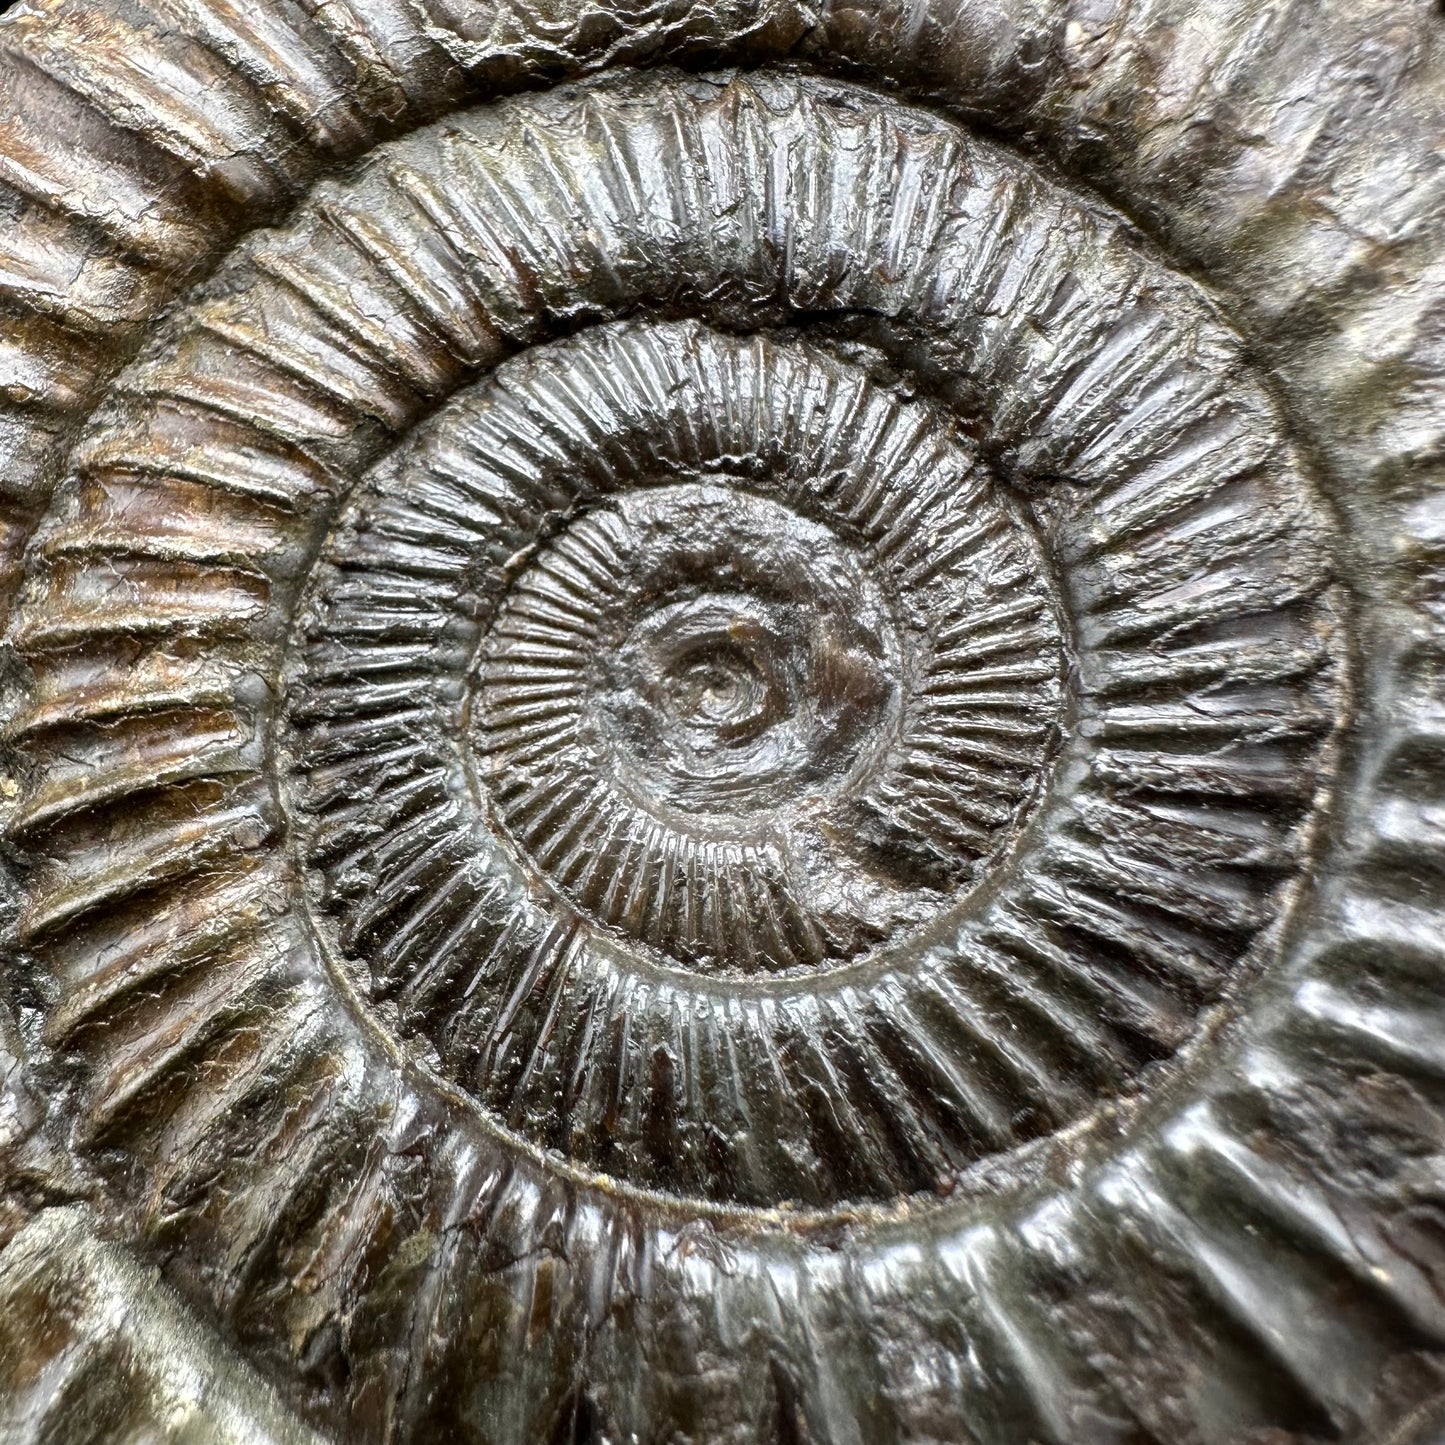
(711, 754)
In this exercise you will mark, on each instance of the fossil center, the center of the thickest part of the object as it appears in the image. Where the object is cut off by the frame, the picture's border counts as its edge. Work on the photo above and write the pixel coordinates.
(731, 657)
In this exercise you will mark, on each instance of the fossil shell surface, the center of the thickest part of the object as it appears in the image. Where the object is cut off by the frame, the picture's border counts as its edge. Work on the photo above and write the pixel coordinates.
(722, 722)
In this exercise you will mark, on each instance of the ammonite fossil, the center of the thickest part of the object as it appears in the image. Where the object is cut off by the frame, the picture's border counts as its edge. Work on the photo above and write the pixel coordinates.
(722, 723)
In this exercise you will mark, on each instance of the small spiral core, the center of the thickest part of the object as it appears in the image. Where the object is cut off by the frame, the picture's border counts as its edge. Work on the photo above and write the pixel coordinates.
(732, 674)
(700, 717)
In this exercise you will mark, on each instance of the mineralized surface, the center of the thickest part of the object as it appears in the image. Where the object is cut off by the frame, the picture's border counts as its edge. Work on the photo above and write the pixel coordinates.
(722, 723)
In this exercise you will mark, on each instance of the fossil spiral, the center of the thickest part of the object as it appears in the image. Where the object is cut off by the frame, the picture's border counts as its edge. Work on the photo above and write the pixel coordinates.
(723, 754)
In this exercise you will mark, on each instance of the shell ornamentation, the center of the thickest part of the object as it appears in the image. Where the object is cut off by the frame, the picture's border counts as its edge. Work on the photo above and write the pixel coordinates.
(722, 723)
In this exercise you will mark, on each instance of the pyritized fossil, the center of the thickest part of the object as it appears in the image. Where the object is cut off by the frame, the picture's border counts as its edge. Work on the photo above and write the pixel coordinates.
(721, 754)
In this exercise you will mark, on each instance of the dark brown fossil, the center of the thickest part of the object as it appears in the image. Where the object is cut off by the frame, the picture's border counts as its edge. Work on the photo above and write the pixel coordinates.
(722, 723)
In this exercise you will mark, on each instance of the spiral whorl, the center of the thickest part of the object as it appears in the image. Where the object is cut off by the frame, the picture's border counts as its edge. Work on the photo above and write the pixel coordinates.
(528, 636)
(677, 744)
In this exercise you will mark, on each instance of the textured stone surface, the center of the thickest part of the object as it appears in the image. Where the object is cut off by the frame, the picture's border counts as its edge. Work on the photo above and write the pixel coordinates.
(94, 1347)
(722, 722)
